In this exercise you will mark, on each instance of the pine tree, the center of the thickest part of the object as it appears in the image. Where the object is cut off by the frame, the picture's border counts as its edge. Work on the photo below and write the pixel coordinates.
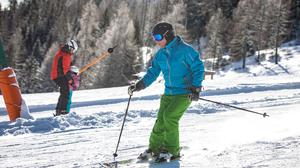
(295, 17)
(244, 33)
(194, 19)
(215, 48)
(260, 27)
(227, 7)
(116, 69)
(1, 21)
(33, 30)
(278, 24)
(177, 19)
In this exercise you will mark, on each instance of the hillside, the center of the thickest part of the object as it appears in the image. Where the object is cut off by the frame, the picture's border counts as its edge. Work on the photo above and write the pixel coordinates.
(213, 136)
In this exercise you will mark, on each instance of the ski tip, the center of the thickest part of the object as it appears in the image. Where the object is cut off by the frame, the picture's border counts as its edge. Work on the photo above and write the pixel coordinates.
(114, 164)
(109, 165)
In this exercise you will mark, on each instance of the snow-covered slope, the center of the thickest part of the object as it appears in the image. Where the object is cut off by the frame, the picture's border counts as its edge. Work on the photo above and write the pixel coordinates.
(213, 136)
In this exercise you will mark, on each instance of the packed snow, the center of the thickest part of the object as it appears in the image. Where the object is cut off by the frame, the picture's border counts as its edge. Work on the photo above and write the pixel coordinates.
(212, 136)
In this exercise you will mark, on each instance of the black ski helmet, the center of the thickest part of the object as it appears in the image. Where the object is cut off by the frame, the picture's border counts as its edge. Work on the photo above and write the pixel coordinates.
(165, 29)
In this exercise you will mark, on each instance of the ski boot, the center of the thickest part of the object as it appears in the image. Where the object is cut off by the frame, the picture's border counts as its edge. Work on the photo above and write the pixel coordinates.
(166, 156)
(146, 155)
(60, 112)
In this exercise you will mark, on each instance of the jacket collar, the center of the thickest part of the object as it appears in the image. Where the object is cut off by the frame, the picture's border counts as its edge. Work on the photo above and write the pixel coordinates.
(174, 42)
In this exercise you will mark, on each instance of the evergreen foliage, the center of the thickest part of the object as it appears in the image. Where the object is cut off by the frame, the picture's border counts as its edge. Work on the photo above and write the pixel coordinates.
(33, 31)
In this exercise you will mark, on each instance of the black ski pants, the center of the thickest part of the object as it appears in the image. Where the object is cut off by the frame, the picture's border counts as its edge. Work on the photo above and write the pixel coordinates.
(64, 91)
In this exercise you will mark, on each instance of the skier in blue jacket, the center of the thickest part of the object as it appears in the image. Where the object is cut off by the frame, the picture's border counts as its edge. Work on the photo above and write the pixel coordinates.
(183, 72)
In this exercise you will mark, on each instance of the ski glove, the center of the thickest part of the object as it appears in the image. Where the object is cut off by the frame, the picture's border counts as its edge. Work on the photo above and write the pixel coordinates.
(194, 96)
(136, 87)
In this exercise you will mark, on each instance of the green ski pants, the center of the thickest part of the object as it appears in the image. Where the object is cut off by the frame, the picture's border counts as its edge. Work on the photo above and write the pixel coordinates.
(165, 133)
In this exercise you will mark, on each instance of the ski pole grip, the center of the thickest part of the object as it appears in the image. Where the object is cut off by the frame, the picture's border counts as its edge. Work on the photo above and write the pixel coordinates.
(110, 50)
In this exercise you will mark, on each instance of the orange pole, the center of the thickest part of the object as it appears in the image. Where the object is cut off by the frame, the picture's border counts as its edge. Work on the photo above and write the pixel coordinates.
(11, 93)
(94, 61)
(97, 59)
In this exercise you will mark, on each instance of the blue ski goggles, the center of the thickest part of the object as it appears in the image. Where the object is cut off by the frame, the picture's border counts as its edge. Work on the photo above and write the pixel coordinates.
(159, 37)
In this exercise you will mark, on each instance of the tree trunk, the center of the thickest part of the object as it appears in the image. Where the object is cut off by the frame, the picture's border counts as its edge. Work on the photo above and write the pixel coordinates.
(277, 34)
(244, 54)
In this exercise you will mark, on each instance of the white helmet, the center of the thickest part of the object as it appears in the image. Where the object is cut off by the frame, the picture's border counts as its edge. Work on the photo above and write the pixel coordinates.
(75, 69)
(72, 44)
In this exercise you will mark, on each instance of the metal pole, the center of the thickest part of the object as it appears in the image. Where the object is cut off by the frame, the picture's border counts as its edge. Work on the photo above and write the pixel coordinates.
(115, 154)
(239, 108)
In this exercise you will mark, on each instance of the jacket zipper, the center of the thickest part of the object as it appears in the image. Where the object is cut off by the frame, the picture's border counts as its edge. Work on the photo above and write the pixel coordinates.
(169, 66)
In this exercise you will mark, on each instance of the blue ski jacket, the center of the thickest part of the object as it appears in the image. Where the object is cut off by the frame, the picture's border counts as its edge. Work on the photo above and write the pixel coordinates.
(181, 67)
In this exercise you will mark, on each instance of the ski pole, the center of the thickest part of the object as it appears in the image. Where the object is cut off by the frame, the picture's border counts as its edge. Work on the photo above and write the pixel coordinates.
(115, 154)
(97, 59)
(228, 105)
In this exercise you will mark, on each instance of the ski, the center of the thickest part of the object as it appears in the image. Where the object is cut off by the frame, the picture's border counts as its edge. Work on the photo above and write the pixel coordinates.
(114, 164)
(151, 161)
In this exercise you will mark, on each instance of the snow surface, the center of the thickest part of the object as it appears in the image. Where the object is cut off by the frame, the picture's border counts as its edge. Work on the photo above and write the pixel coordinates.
(213, 136)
